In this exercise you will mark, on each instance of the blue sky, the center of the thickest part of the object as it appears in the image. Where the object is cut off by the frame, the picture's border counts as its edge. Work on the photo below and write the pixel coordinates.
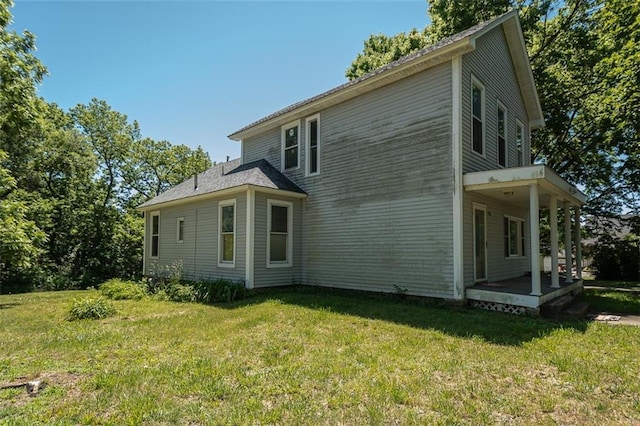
(194, 72)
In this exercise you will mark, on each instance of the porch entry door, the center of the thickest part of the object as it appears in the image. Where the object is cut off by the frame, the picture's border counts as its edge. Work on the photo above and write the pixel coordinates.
(480, 243)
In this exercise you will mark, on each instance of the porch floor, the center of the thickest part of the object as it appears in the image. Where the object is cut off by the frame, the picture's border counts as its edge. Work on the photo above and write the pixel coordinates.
(517, 291)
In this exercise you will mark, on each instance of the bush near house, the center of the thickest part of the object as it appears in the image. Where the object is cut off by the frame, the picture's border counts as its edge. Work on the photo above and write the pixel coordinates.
(117, 289)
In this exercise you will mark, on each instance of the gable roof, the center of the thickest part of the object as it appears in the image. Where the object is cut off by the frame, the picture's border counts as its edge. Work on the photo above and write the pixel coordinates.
(421, 60)
(226, 176)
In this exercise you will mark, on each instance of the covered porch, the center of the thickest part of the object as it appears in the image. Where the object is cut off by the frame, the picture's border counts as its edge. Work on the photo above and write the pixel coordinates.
(533, 188)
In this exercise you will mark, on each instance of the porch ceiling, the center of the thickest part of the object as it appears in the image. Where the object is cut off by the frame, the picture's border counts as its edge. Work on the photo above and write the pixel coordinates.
(511, 185)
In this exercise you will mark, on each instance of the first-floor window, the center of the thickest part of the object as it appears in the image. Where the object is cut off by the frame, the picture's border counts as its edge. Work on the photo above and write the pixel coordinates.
(514, 237)
(155, 234)
(227, 226)
(279, 236)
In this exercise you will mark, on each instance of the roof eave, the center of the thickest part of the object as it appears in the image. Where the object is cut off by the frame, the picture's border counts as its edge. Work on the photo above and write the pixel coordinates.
(399, 72)
(220, 193)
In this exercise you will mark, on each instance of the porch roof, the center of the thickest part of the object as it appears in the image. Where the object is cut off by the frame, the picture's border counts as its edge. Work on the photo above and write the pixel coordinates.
(511, 185)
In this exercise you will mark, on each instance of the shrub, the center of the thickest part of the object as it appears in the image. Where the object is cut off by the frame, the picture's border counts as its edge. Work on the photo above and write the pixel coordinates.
(181, 293)
(617, 260)
(89, 308)
(117, 289)
(221, 290)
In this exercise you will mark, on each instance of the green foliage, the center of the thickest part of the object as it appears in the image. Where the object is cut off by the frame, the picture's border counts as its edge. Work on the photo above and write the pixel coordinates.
(90, 308)
(617, 259)
(221, 290)
(180, 292)
(117, 289)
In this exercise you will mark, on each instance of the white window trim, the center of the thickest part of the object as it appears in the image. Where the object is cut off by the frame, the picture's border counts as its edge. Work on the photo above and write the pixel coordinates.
(154, 213)
(289, 262)
(226, 263)
(522, 149)
(476, 82)
(178, 239)
(521, 254)
(502, 106)
(282, 143)
(308, 145)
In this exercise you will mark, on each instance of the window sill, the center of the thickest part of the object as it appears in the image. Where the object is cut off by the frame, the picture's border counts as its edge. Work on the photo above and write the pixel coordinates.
(279, 265)
(228, 265)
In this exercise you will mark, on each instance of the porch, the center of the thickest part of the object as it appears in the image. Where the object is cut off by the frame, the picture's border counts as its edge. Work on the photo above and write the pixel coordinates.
(516, 292)
(529, 188)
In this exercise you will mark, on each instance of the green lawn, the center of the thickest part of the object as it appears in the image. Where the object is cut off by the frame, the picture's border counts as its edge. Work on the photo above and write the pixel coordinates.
(613, 297)
(312, 357)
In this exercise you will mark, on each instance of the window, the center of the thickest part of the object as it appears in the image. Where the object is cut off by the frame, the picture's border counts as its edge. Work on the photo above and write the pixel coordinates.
(520, 143)
(502, 135)
(180, 230)
(279, 235)
(290, 143)
(227, 226)
(155, 234)
(313, 145)
(477, 113)
(514, 241)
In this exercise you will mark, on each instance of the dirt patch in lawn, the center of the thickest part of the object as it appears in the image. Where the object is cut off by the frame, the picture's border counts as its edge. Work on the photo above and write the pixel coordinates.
(20, 391)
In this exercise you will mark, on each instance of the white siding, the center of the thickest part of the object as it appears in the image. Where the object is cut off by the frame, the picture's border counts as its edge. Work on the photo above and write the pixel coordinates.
(491, 64)
(498, 267)
(199, 251)
(380, 211)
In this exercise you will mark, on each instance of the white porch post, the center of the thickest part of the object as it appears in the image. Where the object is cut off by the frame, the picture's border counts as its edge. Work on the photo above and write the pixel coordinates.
(534, 226)
(567, 242)
(578, 241)
(553, 219)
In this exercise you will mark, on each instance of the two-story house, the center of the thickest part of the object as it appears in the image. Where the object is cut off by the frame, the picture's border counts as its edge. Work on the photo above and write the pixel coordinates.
(415, 177)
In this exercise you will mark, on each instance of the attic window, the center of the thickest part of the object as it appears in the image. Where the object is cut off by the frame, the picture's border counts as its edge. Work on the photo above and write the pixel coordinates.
(290, 145)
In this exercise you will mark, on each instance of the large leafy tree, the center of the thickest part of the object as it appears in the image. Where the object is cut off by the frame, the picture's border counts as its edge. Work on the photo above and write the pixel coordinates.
(585, 59)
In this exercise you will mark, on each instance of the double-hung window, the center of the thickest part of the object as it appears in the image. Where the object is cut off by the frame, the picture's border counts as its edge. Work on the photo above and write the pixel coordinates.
(520, 143)
(155, 233)
(291, 145)
(227, 227)
(514, 237)
(477, 116)
(279, 234)
(313, 145)
(502, 135)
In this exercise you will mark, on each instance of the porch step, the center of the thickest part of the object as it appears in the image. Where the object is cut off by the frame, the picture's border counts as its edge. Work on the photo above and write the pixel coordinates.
(564, 307)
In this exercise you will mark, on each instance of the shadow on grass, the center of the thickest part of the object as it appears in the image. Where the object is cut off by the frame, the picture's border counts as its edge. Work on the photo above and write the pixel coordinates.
(611, 301)
(494, 327)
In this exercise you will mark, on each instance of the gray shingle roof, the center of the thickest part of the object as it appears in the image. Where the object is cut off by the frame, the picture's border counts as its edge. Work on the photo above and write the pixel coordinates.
(385, 68)
(225, 176)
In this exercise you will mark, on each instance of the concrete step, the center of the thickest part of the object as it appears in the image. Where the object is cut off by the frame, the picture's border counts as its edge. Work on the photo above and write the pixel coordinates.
(553, 308)
(575, 311)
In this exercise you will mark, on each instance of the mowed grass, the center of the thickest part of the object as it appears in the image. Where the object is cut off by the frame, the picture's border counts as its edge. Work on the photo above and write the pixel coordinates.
(299, 356)
(613, 296)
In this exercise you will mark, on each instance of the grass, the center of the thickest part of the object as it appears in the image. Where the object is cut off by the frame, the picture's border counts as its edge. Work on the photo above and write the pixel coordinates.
(311, 357)
(613, 297)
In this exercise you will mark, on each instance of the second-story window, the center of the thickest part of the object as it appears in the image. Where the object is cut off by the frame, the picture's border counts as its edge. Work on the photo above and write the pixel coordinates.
(477, 113)
(502, 135)
(313, 145)
(290, 145)
(520, 143)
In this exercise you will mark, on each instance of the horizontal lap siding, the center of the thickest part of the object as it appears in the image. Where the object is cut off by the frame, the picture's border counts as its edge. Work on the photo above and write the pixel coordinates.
(379, 213)
(498, 267)
(491, 64)
(267, 277)
(199, 251)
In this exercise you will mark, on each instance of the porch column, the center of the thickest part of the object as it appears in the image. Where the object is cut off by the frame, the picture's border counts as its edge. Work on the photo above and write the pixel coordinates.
(567, 242)
(534, 226)
(578, 241)
(553, 219)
